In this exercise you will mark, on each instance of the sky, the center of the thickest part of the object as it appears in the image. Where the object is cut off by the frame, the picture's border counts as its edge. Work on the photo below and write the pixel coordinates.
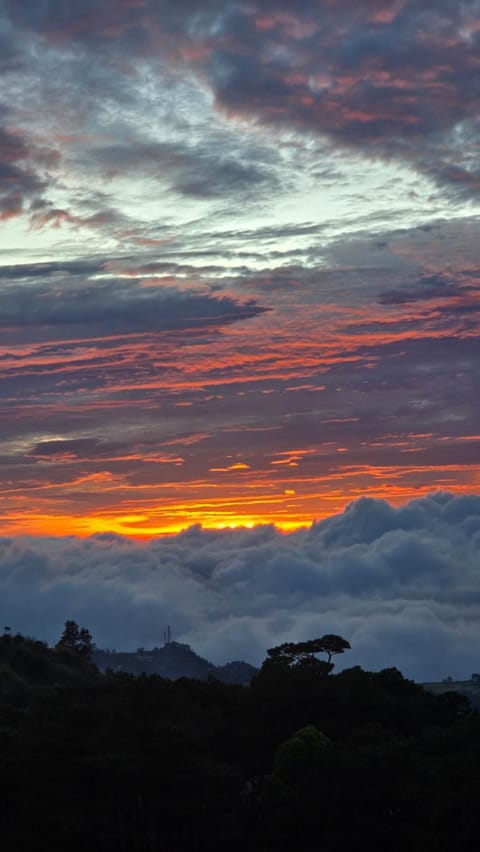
(239, 263)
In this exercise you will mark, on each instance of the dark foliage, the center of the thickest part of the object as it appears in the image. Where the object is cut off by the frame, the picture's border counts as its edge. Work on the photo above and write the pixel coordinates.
(299, 759)
(296, 653)
(76, 639)
(28, 667)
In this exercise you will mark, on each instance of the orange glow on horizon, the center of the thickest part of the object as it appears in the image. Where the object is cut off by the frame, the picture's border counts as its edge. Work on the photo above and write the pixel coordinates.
(287, 512)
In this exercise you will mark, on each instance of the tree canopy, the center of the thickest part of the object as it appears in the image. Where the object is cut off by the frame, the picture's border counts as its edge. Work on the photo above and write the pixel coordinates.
(301, 653)
(76, 639)
(121, 763)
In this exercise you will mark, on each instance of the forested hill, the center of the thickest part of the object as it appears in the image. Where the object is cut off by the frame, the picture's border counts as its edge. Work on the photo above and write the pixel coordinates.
(172, 661)
(299, 758)
(28, 664)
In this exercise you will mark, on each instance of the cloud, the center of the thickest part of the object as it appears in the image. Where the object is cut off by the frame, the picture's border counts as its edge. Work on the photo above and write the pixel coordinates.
(387, 78)
(115, 307)
(401, 584)
(193, 166)
(368, 357)
(197, 171)
(43, 270)
(391, 80)
(427, 288)
(21, 182)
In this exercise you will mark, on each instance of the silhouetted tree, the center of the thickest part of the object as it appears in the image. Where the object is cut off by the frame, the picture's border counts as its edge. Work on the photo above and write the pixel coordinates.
(333, 644)
(76, 639)
(70, 636)
(301, 653)
(85, 644)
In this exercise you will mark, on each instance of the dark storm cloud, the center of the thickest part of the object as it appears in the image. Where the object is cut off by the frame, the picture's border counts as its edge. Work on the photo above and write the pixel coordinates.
(401, 584)
(391, 79)
(116, 306)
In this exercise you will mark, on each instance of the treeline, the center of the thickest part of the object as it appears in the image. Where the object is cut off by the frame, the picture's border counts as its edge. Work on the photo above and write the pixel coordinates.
(301, 758)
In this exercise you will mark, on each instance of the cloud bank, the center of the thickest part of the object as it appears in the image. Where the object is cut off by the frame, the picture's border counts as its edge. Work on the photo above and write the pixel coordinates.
(401, 584)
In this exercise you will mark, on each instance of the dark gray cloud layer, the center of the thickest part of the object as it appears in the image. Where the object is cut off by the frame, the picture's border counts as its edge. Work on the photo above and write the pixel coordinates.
(403, 585)
(116, 306)
(389, 78)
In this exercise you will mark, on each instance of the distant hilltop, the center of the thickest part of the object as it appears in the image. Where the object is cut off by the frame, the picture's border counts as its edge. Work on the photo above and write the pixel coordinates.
(174, 660)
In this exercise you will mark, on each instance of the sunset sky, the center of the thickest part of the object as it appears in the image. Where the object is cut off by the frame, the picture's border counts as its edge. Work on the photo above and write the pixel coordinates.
(239, 260)
(240, 268)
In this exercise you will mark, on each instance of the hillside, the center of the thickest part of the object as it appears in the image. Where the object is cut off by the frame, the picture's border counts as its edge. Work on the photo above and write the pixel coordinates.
(28, 665)
(174, 660)
(468, 688)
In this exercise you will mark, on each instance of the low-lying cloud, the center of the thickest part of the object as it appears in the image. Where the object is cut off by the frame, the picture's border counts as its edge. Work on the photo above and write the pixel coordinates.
(401, 584)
